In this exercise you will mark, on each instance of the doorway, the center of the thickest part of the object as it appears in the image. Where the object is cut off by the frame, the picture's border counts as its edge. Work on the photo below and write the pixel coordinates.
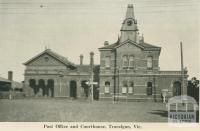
(73, 88)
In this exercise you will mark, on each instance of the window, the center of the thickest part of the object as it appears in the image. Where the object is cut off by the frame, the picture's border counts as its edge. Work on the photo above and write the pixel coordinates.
(46, 59)
(130, 88)
(124, 88)
(149, 88)
(149, 62)
(107, 62)
(107, 87)
(125, 61)
(131, 62)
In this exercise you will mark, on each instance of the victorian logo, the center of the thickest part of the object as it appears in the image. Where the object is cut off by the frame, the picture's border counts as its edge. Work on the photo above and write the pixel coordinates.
(182, 109)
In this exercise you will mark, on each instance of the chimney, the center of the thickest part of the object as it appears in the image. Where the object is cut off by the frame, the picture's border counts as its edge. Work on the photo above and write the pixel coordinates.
(81, 59)
(91, 59)
(141, 39)
(106, 43)
(10, 75)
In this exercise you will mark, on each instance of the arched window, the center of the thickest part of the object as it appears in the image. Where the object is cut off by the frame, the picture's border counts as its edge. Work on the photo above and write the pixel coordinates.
(149, 62)
(107, 87)
(125, 61)
(130, 87)
(124, 88)
(107, 62)
(149, 88)
(131, 62)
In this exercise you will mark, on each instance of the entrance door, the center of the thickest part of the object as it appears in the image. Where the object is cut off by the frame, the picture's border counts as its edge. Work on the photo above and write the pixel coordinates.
(73, 89)
(176, 88)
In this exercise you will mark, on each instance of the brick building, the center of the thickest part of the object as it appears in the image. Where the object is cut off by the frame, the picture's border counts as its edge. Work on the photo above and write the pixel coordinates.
(51, 75)
(130, 67)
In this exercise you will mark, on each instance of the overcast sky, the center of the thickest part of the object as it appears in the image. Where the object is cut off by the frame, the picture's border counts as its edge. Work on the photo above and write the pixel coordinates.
(74, 27)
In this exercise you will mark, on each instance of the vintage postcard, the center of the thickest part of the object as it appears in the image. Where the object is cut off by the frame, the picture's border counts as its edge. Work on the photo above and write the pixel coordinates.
(99, 64)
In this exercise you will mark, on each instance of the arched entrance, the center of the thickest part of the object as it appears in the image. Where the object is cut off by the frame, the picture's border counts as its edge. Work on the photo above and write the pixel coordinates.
(42, 88)
(32, 84)
(73, 87)
(50, 86)
(176, 88)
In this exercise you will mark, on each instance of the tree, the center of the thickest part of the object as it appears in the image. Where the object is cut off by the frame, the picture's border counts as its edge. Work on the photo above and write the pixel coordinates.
(193, 88)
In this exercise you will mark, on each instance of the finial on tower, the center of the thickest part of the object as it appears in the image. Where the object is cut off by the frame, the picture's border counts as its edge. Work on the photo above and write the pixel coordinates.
(47, 47)
(130, 11)
(130, 5)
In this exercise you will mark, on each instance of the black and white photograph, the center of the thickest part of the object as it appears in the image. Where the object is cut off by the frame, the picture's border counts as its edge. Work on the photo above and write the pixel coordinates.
(99, 61)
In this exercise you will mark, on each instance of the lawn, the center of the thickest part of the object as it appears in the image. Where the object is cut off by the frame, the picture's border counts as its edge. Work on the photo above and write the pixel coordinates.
(65, 110)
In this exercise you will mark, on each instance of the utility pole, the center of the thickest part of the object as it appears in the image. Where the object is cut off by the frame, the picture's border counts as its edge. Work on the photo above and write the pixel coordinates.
(182, 70)
(92, 79)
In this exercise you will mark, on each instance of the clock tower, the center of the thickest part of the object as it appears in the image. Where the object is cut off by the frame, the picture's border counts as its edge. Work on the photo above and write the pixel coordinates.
(129, 28)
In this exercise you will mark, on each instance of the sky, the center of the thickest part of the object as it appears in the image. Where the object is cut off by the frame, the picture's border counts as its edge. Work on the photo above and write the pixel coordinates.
(75, 27)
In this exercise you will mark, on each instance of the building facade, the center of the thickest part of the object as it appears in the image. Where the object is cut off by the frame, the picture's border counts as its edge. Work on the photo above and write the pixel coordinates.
(51, 75)
(129, 68)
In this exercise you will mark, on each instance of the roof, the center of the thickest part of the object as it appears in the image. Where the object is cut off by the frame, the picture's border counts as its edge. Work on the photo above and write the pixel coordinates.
(146, 45)
(112, 46)
(143, 45)
(60, 58)
(4, 79)
(15, 84)
(83, 68)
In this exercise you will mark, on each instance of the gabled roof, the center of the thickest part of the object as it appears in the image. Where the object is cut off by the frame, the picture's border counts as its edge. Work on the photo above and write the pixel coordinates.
(143, 45)
(58, 57)
(4, 79)
(130, 41)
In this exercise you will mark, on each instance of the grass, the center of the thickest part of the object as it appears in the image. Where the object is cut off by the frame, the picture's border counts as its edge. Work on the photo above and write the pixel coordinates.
(65, 110)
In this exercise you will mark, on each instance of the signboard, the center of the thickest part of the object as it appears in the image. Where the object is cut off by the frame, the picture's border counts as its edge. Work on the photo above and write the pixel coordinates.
(91, 83)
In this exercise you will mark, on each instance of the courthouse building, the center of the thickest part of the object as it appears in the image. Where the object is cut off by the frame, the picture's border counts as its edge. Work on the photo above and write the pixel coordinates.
(129, 68)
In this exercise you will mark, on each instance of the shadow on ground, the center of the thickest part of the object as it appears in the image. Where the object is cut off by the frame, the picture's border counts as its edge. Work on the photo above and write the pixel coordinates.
(161, 113)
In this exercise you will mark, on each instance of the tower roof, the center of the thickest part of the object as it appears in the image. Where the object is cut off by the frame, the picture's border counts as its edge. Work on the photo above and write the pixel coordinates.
(129, 23)
(130, 12)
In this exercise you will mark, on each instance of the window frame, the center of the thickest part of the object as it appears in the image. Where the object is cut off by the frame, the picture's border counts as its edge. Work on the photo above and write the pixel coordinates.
(124, 87)
(125, 59)
(131, 59)
(107, 62)
(131, 86)
(150, 62)
(107, 87)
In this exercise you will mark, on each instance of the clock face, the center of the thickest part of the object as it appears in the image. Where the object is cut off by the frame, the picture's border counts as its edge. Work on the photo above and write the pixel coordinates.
(129, 23)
